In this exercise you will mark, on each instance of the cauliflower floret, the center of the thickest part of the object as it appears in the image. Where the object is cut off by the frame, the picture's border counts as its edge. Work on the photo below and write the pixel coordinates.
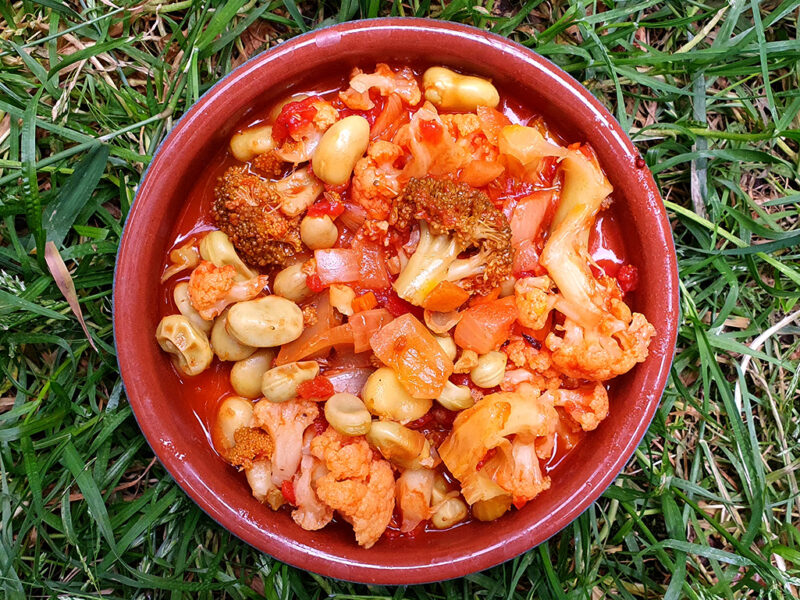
(537, 362)
(433, 149)
(535, 300)
(482, 455)
(302, 135)
(601, 338)
(285, 422)
(587, 405)
(414, 491)
(584, 353)
(461, 124)
(375, 179)
(311, 513)
(259, 477)
(359, 486)
(212, 288)
(298, 191)
(246, 208)
(403, 83)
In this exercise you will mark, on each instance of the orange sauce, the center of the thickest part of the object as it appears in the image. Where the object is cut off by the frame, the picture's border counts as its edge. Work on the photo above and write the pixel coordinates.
(206, 391)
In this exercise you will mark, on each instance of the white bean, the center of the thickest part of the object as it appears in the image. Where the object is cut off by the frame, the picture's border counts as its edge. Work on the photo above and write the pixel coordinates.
(246, 374)
(451, 512)
(189, 347)
(224, 345)
(455, 397)
(448, 345)
(318, 232)
(280, 384)
(494, 508)
(265, 322)
(398, 444)
(216, 247)
(386, 397)
(347, 414)
(290, 283)
(184, 303)
(340, 148)
(233, 413)
(490, 369)
(251, 142)
(449, 90)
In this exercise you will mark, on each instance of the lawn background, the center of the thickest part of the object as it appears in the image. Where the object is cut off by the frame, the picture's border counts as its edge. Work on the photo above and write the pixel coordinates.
(709, 505)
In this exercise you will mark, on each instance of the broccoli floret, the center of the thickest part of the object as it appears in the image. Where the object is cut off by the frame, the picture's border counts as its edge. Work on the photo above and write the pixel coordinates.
(247, 208)
(453, 218)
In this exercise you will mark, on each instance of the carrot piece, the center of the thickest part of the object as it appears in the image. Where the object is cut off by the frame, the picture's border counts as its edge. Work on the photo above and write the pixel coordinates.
(484, 327)
(410, 350)
(364, 302)
(446, 296)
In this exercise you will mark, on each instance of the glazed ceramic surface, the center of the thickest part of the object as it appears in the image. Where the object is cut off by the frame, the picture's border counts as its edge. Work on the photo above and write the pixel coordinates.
(154, 392)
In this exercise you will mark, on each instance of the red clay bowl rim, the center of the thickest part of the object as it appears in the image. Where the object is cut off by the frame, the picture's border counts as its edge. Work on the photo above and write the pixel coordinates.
(460, 564)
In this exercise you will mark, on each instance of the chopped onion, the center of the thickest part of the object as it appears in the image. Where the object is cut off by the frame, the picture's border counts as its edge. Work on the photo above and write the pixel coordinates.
(337, 265)
(350, 381)
(441, 322)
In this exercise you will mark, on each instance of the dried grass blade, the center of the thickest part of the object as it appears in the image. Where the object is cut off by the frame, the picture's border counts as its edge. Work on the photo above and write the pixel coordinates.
(60, 273)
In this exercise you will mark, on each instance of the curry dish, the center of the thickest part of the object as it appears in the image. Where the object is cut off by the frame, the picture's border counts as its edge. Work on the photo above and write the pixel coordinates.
(410, 292)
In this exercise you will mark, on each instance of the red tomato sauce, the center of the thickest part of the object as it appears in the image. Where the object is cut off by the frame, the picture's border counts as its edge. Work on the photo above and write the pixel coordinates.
(206, 391)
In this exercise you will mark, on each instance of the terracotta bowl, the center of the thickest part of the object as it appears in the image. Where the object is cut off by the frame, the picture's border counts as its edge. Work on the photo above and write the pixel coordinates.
(156, 397)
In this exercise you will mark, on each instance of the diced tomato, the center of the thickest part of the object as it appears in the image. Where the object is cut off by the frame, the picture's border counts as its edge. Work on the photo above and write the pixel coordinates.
(484, 327)
(325, 207)
(320, 424)
(293, 117)
(519, 503)
(628, 278)
(443, 416)
(410, 350)
(422, 422)
(319, 388)
(389, 299)
(431, 131)
(287, 489)
(314, 284)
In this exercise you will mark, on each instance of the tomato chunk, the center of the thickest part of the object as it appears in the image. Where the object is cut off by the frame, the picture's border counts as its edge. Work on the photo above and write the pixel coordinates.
(414, 355)
(319, 388)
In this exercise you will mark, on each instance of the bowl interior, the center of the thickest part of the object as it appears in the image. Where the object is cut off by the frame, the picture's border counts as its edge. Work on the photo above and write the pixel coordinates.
(158, 400)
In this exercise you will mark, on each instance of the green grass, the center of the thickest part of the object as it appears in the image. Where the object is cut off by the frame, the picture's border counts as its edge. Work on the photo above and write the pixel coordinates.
(708, 507)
